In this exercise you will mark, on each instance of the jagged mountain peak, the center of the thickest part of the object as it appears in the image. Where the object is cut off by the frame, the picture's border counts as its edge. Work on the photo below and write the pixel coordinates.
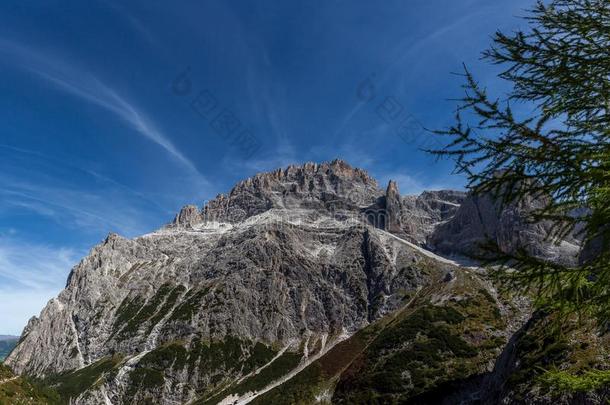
(392, 188)
(339, 170)
(188, 216)
(320, 186)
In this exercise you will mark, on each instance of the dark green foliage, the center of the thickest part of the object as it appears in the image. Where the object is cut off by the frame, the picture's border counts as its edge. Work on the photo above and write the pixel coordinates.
(190, 306)
(220, 361)
(25, 391)
(134, 312)
(212, 357)
(208, 358)
(259, 356)
(419, 321)
(146, 312)
(398, 357)
(127, 310)
(144, 380)
(487, 296)
(538, 348)
(223, 358)
(303, 388)
(560, 151)
(280, 367)
(167, 306)
(410, 356)
(5, 372)
(173, 355)
(559, 363)
(587, 381)
(494, 343)
(299, 390)
(72, 384)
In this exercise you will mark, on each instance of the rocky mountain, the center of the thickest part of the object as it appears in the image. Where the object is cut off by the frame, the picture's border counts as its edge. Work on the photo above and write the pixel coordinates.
(309, 284)
(480, 218)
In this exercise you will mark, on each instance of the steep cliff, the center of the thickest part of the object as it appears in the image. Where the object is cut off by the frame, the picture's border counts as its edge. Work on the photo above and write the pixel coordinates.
(482, 218)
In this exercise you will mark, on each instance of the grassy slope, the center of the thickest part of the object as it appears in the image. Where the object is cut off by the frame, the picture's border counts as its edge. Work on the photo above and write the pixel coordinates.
(425, 352)
(406, 354)
(72, 384)
(567, 361)
(20, 391)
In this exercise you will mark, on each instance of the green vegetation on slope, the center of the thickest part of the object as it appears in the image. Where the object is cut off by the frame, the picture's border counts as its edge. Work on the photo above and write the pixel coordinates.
(276, 370)
(321, 375)
(416, 351)
(587, 381)
(134, 312)
(187, 308)
(73, 383)
(212, 365)
(409, 358)
(562, 362)
(21, 391)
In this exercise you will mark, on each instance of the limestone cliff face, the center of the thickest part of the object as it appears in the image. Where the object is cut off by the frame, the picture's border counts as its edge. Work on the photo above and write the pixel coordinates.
(230, 301)
(326, 187)
(188, 217)
(265, 281)
(481, 218)
(421, 214)
(393, 208)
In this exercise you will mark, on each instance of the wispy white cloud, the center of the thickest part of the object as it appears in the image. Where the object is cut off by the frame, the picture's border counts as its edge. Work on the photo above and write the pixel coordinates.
(25, 265)
(92, 89)
(135, 23)
(407, 54)
(87, 211)
(19, 305)
(73, 165)
(267, 99)
(30, 275)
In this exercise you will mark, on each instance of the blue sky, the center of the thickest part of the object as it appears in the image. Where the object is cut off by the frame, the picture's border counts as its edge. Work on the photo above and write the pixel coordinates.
(115, 114)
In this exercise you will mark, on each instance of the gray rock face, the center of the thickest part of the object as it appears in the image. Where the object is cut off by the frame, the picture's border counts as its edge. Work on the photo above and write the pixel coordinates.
(327, 187)
(594, 248)
(287, 261)
(393, 209)
(421, 214)
(480, 218)
(188, 217)
(265, 281)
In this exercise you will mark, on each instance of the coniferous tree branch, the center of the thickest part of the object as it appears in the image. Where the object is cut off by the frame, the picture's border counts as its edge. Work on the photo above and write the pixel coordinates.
(559, 69)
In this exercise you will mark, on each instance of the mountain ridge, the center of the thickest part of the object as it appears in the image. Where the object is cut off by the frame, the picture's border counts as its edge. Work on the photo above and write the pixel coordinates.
(285, 276)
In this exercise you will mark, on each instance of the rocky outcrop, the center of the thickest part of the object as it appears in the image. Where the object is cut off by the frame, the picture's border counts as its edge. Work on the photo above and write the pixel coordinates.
(412, 217)
(481, 219)
(421, 214)
(328, 187)
(188, 217)
(595, 247)
(393, 208)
